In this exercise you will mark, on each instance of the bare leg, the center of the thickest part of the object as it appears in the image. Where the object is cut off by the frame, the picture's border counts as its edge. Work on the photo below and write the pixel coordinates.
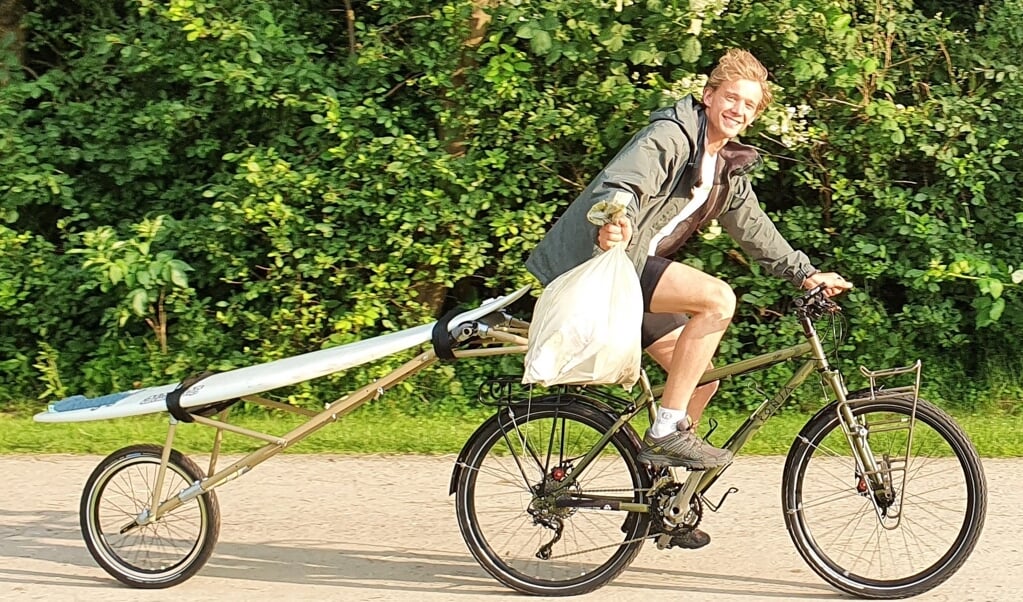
(662, 351)
(711, 303)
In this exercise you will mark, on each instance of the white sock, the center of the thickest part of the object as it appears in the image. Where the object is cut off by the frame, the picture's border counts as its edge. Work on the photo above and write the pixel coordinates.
(667, 421)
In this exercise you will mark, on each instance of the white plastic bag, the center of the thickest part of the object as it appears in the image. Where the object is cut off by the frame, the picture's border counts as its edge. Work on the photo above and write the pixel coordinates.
(586, 325)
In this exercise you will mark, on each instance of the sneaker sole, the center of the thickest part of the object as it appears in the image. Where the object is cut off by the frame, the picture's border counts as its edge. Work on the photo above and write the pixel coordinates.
(677, 542)
(690, 545)
(661, 460)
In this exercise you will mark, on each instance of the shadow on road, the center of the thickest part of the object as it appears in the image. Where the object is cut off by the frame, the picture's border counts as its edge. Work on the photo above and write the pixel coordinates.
(54, 537)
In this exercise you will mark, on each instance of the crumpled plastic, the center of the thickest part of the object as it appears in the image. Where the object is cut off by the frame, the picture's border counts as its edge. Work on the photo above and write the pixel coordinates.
(586, 324)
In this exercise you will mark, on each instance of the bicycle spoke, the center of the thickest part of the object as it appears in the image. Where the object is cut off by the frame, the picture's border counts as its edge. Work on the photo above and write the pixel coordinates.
(896, 539)
(531, 541)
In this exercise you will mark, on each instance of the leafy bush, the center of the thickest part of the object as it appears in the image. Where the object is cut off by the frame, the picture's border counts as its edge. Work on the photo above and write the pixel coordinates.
(193, 184)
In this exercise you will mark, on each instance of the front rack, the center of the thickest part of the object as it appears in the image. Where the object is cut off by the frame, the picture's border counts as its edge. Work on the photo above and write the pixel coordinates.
(881, 472)
(878, 392)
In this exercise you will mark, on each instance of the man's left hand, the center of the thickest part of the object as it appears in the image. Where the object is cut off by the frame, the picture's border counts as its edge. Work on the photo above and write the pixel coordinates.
(833, 283)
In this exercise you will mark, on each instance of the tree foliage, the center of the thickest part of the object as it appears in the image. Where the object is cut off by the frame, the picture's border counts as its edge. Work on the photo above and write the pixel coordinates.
(193, 184)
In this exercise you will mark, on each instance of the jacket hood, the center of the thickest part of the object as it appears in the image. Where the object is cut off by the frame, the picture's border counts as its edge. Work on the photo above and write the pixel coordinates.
(687, 113)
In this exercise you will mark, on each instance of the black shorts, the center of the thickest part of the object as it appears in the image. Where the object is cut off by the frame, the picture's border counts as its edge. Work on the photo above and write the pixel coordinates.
(656, 326)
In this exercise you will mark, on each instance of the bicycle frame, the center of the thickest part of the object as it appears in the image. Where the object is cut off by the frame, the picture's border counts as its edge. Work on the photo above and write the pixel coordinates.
(698, 482)
(752, 424)
(510, 339)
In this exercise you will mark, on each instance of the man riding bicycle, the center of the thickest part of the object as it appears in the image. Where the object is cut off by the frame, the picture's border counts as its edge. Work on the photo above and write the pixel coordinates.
(677, 174)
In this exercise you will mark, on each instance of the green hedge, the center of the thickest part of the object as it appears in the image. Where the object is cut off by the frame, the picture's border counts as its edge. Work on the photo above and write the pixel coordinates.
(195, 184)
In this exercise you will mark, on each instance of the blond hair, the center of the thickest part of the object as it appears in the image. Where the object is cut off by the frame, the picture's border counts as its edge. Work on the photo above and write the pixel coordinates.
(739, 64)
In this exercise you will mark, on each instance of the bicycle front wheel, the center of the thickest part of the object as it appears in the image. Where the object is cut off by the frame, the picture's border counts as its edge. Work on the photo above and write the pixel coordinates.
(544, 544)
(154, 554)
(894, 544)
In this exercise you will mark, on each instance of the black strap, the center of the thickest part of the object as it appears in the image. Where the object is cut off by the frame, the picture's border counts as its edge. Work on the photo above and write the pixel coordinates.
(441, 338)
(174, 397)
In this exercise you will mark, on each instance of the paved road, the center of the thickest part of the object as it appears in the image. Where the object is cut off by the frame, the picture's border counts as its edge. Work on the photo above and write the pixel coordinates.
(383, 528)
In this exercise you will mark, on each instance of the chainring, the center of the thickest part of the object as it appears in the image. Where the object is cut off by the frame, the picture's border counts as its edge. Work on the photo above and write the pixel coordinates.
(659, 521)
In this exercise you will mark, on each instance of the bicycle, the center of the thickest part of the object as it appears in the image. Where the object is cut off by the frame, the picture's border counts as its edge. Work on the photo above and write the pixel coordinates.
(883, 494)
(150, 517)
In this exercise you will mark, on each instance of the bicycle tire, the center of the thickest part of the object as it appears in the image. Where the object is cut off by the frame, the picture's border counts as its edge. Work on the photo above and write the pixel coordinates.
(496, 491)
(155, 555)
(835, 526)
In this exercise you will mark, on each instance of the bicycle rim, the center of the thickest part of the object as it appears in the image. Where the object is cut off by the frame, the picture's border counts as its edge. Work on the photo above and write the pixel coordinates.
(934, 521)
(508, 527)
(156, 554)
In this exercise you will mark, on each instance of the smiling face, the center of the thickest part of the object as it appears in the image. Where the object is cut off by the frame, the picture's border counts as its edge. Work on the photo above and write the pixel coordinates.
(730, 108)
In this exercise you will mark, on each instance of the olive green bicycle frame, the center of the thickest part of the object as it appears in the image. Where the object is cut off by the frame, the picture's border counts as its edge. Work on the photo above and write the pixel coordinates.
(505, 339)
(754, 423)
(698, 482)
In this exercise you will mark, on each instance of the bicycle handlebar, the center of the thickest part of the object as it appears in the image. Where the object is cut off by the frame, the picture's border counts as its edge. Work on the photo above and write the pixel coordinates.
(814, 304)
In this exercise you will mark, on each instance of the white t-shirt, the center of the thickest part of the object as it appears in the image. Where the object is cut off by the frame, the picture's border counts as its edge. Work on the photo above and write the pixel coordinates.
(700, 195)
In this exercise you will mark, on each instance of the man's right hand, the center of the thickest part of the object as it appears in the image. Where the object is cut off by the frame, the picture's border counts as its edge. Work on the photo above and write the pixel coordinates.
(614, 233)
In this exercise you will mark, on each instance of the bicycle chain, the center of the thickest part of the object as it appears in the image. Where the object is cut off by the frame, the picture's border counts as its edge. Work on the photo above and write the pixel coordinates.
(610, 545)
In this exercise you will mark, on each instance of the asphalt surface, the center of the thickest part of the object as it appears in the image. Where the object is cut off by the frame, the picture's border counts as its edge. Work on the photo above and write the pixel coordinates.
(313, 527)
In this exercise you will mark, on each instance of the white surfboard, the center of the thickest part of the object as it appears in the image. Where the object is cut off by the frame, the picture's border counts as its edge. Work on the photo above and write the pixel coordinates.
(261, 377)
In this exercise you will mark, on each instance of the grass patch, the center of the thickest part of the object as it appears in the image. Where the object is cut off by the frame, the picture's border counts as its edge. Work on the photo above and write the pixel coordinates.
(391, 432)
(358, 433)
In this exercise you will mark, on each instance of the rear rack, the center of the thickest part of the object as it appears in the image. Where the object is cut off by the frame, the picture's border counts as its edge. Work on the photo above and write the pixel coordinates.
(508, 390)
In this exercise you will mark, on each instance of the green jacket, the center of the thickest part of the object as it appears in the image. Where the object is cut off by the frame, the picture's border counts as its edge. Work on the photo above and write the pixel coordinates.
(657, 171)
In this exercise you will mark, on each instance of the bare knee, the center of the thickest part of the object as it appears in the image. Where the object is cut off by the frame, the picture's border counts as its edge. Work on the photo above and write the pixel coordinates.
(683, 289)
(720, 301)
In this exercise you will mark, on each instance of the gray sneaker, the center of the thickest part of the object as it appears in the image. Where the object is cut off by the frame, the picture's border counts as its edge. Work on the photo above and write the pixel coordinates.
(691, 539)
(682, 448)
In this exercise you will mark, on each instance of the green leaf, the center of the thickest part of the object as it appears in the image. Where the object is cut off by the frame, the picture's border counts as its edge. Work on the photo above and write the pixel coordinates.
(802, 70)
(178, 276)
(691, 49)
(139, 301)
(640, 56)
(541, 42)
(995, 288)
(841, 22)
(527, 31)
(996, 309)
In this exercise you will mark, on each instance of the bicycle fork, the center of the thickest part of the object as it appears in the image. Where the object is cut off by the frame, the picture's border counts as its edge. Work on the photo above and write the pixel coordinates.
(877, 476)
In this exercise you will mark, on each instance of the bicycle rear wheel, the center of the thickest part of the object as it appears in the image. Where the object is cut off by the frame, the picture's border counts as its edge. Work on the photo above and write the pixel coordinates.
(926, 529)
(517, 532)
